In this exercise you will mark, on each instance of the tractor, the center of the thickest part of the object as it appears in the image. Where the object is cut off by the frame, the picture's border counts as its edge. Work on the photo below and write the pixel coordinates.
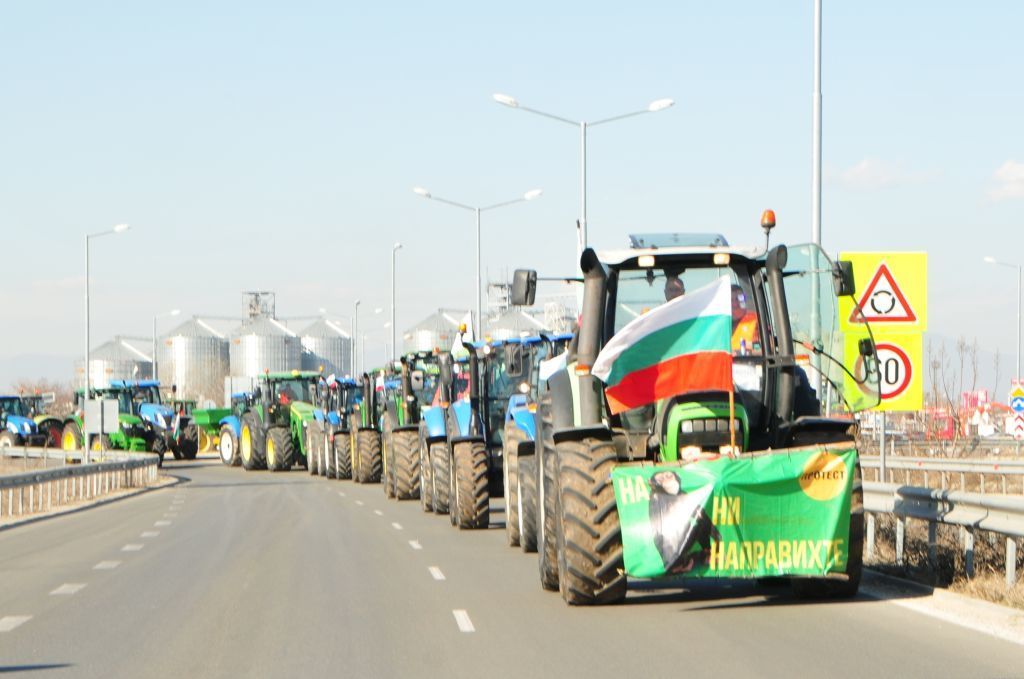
(187, 438)
(19, 427)
(365, 443)
(329, 433)
(272, 434)
(406, 396)
(634, 483)
(227, 422)
(51, 425)
(144, 423)
(520, 363)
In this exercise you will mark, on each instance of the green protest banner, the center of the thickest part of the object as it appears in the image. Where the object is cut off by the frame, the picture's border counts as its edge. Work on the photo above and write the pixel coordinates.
(782, 513)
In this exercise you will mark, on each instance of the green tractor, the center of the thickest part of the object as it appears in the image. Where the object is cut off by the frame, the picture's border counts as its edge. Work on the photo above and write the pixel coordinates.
(273, 423)
(643, 473)
(407, 394)
(365, 446)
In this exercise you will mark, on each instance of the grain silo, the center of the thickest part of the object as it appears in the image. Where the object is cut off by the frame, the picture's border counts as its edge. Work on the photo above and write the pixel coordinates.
(194, 357)
(437, 330)
(326, 345)
(261, 344)
(122, 358)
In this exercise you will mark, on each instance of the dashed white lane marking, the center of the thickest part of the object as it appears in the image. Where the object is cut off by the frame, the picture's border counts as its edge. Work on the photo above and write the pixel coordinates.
(378, 512)
(162, 523)
(341, 493)
(415, 544)
(106, 565)
(359, 502)
(178, 501)
(436, 573)
(9, 622)
(150, 533)
(132, 547)
(396, 526)
(463, 621)
(171, 515)
(68, 588)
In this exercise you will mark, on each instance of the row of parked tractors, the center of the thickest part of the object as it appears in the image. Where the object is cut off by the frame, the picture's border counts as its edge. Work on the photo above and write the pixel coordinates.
(524, 419)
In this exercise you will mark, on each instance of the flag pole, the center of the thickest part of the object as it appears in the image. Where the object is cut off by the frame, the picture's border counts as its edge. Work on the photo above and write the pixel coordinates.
(732, 422)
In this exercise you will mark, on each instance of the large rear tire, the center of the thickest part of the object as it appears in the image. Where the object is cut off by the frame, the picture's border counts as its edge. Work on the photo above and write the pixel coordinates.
(71, 437)
(189, 444)
(280, 449)
(228, 447)
(314, 459)
(439, 475)
(406, 459)
(330, 459)
(526, 496)
(513, 437)
(840, 587)
(472, 500)
(343, 452)
(590, 561)
(252, 444)
(368, 450)
(547, 498)
(426, 478)
(52, 429)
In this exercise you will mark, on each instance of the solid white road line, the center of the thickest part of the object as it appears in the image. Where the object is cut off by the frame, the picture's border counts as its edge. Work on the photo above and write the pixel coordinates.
(463, 621)
(162, 523)
(9, 622)
(68, 588)
(396, 526)
(150, 533)
(415, 544)
(106, 565)
(132, 547)
(436, 573)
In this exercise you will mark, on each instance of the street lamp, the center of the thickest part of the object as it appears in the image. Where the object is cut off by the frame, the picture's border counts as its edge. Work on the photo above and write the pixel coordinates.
(1020, 274)
(653, 107)
(529, 195)
(175, 312)
(120, 228)
(394, 255)
(355, 330)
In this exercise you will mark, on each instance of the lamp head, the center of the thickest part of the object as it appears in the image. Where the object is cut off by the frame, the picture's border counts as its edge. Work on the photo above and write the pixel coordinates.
(511, 102)
(420, 191)
(659, 105)
(121, 228)
(535, 193)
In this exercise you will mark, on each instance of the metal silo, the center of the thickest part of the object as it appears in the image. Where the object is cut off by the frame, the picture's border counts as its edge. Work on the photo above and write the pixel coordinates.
(437, 330)
(261, 344)
(513, 323)
(325, 344)
(122, 358)
(194, 357)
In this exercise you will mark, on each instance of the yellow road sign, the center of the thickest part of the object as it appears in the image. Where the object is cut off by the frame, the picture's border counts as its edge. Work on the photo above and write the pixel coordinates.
(900, 367)
(892, 291)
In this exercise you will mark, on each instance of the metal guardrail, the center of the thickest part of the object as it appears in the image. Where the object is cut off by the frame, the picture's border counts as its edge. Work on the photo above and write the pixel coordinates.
(40, 490)
(946, 466)
(971, 511)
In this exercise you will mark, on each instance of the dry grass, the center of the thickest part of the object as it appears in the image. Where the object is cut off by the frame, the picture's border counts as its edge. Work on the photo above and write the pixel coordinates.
(949, 568)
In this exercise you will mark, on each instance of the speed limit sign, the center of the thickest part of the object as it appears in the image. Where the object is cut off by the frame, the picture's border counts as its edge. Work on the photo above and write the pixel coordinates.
(899, 369)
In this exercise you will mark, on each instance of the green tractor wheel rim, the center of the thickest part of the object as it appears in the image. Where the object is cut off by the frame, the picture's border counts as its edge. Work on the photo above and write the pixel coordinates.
(245, 445)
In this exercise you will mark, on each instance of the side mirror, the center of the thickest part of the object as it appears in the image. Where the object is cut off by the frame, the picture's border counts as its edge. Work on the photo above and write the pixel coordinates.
(524, 287)
(842, 279)
(416, 380)
(866, 347)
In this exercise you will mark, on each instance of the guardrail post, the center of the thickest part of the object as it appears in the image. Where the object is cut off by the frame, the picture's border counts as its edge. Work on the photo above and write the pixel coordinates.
(963, 485)
(871, 536)
(901, 528)
(969, 552)
(1011, 562)
(932, 548)
(982, 484)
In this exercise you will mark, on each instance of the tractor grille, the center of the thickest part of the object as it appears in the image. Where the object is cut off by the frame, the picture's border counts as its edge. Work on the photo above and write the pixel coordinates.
(708, 435)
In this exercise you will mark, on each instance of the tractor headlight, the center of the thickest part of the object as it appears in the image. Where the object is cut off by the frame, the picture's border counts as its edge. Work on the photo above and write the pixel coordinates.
(26, 427)
(686, 427)
(524, 388)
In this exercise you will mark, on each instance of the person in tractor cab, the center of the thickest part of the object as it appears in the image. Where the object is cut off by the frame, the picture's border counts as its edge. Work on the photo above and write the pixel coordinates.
(673, 285)
(746, 339)
(286, 395)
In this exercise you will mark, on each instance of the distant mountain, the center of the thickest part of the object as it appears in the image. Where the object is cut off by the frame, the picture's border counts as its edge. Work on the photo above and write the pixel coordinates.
(34, 367)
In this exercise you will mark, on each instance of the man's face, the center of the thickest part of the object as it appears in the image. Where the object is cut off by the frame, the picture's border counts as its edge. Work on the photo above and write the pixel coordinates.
(673, 288)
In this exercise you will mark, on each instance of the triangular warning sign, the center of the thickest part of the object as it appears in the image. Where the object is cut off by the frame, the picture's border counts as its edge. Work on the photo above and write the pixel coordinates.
(883, 301)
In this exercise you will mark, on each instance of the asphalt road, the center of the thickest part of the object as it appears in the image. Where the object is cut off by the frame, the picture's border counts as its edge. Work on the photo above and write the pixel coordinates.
(231, 574)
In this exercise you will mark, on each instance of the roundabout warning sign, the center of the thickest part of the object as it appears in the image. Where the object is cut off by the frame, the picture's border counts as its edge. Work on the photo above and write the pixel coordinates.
(892, 291)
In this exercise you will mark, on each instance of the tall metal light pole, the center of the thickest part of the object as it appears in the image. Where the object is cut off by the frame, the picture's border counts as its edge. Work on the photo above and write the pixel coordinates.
(175, 312)
(355, 335)
(120, 228)
(816, 134)
(653, 107)
(1020, 277)
(394, 254)
(529, 195)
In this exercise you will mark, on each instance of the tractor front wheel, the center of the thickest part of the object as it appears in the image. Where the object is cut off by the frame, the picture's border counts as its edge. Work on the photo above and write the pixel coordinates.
(513, 437)
(314, 459)
(439, 472)
(590, 564)
(406, 458)
(252, 444)
(228, 447)
(280, 450)
(343, 453)
(189, 445)
(472, 501)
(368, 450)
(526, 497)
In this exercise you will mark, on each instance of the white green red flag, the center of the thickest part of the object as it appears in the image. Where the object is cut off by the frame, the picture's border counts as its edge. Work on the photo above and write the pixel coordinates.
(681, 346)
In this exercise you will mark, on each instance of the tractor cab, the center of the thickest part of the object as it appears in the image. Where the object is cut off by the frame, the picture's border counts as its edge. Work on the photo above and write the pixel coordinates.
(18, 426)
(272, 426)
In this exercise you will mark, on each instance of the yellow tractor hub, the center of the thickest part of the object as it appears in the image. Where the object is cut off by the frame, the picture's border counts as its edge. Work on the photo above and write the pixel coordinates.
(205, 441)
(245, 443)
(271, 453)
(68, 442)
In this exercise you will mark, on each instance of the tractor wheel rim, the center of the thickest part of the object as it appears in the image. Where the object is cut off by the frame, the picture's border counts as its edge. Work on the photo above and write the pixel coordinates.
(246, 445)
(68, 441)
(271, 453)
(227, 451)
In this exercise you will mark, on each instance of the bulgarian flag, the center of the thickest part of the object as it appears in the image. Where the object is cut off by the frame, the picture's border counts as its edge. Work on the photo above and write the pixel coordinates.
(683, 345)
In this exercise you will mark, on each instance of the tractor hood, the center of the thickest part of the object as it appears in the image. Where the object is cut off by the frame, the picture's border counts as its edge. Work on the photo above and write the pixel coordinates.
(160, 416)
(302, 410)
(21, 426)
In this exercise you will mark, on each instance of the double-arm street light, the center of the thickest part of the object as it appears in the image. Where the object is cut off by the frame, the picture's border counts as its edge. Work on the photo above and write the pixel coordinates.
(394, 254)
(175, 312)
(529, 195)
(583, 125)
(1020, 274)
(120, 228)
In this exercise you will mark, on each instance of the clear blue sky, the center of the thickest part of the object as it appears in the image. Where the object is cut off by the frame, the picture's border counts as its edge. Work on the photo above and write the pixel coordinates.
(275, 145)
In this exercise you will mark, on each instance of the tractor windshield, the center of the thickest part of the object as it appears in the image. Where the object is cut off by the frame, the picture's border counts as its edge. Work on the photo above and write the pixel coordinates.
(287, 392)
(146, 394)
(13, 406)
(460, 380)
(843, 378)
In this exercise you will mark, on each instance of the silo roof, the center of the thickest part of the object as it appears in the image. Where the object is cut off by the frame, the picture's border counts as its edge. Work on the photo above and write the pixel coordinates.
(194, 328)
(123, 349)
(263, 326)
(325, 328)
(513, 319)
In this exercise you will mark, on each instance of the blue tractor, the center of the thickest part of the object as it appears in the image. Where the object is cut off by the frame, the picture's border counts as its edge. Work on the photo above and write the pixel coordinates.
(17, 428)
(330, 431)
(230, 426)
